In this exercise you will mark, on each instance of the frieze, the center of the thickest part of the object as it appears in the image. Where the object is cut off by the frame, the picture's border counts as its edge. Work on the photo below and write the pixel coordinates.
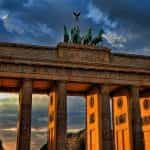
(130, 60)
(94, 76)
(74, 53)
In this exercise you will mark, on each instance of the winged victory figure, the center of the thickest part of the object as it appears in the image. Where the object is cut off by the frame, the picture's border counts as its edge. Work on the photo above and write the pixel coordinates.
(76, 14)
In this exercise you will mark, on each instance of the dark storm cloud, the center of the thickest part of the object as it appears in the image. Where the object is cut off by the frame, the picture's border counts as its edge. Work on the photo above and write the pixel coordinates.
(130, 11)
(133, 17)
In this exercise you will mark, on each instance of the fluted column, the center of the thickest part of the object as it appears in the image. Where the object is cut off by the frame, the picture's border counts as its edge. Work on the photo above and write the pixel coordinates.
(122, 118)
(58, 117)
(61, 130)
(138, 138)
(24, 120)
(106, 118)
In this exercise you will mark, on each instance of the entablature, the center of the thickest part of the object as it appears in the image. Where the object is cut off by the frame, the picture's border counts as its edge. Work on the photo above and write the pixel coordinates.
(74, 56)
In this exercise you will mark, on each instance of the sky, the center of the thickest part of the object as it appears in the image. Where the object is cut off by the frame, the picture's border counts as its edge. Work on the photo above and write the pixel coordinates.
(126, 22)
(40, 22)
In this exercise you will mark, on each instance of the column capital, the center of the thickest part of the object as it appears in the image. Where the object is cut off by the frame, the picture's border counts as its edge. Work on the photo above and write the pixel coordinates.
(134, 93)
(134, 87)
(61, 82)
(104, 88)
(27, 80)
(26, 83)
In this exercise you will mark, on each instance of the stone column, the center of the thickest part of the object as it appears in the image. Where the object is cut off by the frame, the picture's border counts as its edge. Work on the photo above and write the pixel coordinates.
(24, 120)
(106, 118)
(58, 117)
(138, 138)
(61, 130)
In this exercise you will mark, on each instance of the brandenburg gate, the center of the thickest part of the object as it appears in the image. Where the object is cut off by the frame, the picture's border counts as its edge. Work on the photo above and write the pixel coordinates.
(116, 88)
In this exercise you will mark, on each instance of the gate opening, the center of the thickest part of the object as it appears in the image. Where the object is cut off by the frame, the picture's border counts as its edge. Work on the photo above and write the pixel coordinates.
(8, 120)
